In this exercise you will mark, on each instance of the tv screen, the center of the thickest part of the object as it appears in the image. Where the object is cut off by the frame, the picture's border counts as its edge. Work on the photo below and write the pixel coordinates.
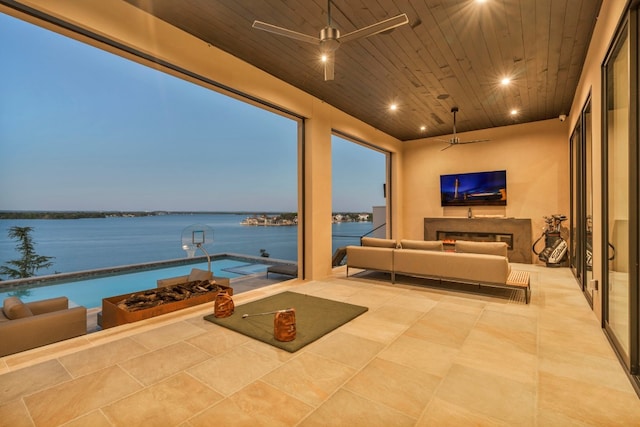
(474, 189)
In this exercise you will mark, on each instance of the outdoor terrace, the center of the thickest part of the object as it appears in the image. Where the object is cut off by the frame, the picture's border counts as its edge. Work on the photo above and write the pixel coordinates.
(420, 356)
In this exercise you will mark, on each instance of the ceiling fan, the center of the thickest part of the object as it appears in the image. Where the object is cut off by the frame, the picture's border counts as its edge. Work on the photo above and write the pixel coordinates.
(454, 139)
(330, 38)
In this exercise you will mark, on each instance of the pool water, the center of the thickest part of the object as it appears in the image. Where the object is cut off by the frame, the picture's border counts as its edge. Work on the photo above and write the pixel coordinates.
(89, 292)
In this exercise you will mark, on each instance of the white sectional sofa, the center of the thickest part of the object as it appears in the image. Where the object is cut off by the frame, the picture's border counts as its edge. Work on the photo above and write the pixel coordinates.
(478, 263)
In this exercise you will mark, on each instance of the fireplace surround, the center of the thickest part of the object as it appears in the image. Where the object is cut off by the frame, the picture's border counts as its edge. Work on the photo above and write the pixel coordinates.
(516, 232)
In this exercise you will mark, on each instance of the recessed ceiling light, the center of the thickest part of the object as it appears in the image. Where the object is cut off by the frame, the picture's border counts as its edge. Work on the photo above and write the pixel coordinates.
(323, 58)
(481, 1)
(505, 81)
(514, 112)
(423, 128)
(393, 107)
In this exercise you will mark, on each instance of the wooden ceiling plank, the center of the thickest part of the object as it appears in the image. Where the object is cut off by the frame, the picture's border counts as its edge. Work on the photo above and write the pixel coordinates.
(464, 79)
(528, 19)
(410, 59)
(451, 47)
(518, 71)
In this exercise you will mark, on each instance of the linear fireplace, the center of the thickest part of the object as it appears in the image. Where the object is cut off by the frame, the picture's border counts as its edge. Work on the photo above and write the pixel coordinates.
(516, 232)
(449, 237)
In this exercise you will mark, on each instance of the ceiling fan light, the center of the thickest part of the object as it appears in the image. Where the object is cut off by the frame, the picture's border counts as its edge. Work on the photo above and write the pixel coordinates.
(329, 33)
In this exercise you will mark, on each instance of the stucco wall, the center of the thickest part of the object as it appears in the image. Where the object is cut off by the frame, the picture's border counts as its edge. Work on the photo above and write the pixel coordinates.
(535, 156)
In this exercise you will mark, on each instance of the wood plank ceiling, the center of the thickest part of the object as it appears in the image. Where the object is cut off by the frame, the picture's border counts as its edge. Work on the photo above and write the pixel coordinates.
(452, 53)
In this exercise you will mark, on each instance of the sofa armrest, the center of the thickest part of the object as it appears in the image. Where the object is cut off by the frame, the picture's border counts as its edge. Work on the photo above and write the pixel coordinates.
(48, 305)
(35, 331)
(370, 258)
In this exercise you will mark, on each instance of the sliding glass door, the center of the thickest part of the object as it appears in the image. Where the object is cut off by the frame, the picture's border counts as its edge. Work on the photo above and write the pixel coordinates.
(582, 201)
(621, 221)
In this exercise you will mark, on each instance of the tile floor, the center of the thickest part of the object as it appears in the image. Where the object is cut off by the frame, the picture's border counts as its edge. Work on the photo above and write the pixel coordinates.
(420, 356)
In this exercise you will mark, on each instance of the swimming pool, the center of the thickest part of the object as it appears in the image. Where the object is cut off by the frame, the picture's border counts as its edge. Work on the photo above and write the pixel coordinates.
(90, 291)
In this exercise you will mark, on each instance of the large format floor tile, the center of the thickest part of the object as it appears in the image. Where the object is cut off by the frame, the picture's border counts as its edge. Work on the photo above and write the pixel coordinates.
(420, 356)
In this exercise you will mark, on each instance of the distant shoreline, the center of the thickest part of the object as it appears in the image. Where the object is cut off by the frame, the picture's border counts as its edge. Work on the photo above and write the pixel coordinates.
(121, 214)
(103, 214)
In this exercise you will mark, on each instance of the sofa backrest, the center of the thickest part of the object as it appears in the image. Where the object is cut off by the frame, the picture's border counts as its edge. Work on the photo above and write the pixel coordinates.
(198, 275)
(474, 268)
(425, 245)
(379, 243)
(487, 248)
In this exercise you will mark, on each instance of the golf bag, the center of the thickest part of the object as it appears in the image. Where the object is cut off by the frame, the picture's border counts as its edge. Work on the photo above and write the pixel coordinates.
(555, 251)
(223, 305)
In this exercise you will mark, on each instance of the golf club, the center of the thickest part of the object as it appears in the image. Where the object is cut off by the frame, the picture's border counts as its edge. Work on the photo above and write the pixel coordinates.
(244, 316)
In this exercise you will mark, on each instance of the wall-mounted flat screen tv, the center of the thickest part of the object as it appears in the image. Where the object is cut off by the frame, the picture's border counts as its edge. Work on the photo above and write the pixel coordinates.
(474, 189)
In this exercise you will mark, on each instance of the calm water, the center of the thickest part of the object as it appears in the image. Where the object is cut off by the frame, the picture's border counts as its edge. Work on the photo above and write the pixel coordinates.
(89, 292)
(86, 244)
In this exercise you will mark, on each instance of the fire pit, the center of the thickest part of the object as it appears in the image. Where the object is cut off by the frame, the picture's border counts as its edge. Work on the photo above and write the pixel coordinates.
(128, 308)
(155, 297)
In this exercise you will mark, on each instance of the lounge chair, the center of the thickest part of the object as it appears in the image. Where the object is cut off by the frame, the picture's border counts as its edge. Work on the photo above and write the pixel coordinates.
(24, 326)
(284, 269)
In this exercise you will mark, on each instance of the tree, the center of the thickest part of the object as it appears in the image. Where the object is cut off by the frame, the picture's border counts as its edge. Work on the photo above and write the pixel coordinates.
(30, 261)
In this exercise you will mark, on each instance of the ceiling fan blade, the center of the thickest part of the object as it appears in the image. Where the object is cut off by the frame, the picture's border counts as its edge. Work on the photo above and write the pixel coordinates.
(381, 26)
(329, 65)
(473, 141)
(259, 25)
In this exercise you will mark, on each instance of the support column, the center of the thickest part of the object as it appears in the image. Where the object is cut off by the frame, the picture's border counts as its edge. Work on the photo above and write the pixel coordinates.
(317, 188)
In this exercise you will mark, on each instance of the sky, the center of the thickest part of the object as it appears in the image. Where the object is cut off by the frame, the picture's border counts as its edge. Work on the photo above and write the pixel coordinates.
(83, 129)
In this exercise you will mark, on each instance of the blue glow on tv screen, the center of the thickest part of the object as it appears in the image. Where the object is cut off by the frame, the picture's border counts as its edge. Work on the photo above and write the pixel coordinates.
(474, 189)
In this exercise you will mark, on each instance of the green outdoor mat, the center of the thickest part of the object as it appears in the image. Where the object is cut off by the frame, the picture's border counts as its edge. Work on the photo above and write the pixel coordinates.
(314, 318)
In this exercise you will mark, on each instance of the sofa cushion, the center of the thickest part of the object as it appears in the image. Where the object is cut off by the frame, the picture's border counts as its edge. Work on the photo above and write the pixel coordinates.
(197, 275)
(425, 245)
(14, 309)
(379, 243)
(487, 248)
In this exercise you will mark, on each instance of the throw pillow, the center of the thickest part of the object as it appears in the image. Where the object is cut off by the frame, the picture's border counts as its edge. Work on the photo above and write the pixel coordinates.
(486, 248)
(15, 309)
(380, 243)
